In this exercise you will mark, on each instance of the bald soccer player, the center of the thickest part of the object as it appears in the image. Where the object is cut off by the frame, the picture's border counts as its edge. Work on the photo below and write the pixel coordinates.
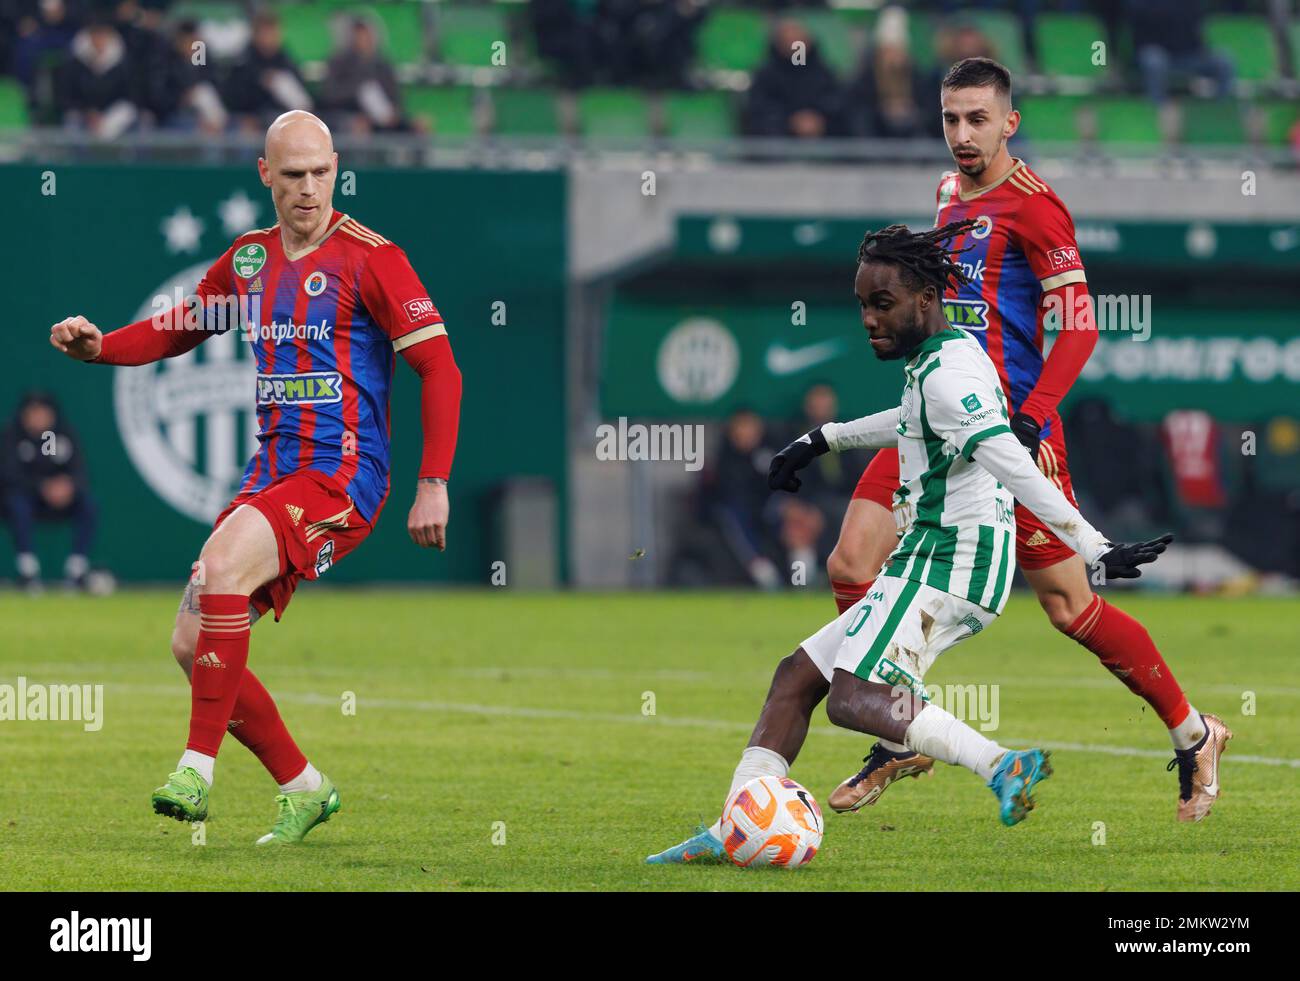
(325, 302)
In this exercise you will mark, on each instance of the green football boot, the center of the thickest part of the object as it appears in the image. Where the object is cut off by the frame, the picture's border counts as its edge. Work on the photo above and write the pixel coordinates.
(184, 796)
(301, 812)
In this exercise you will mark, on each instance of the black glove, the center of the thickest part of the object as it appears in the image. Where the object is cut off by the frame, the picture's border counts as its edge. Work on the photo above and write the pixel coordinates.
(796, 456)
(1122, 561)
(1026, 429)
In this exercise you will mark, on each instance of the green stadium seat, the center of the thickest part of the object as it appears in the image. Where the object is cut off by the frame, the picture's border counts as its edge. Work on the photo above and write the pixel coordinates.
(307, 32)
(1065, 45)
(1212, 121)
(401, 25)
(525, 112)
(840, 40)
(922, 32)
(732, 39)
(448, 109)
(614, 113)
(13, 105)
(1125, 120)
(1279, 118)
(1005, 33)
(467, 33)
(1049, 118)
(218, 11)
(1248, 41)
(700, 116)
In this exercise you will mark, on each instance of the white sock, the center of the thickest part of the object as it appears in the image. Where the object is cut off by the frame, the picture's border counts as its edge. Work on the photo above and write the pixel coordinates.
(942, 735)
(203, 764)
(1190, 731)
(755, 761)
(305, 782)
(893, 747)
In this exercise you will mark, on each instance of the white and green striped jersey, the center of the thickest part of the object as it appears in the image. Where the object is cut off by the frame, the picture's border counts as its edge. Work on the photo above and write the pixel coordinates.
(961, 471)
(957, 523)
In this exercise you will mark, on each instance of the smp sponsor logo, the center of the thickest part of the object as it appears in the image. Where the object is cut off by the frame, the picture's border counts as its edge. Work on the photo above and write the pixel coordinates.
(1066, 257)
(309, 388)
(967, 314)
(418, 309)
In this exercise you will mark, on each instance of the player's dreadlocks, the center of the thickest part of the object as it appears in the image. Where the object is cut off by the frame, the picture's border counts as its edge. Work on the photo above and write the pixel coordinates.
(924, 257)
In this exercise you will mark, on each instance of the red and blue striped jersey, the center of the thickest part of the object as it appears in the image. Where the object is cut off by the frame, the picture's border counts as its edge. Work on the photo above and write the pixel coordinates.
(325, 324)
(1023, 246)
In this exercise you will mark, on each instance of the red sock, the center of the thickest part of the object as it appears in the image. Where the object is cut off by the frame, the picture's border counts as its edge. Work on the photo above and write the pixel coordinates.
(848, 593)
(220, 655)
(1126, 649)
(256, 722)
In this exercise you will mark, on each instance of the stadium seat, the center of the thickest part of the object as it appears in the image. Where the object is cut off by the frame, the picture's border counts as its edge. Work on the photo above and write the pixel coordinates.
(733, 40)
(1005, 33)
(525, 112)
(13, 105)
(448, 109)
(840, 40)
(466, 33)
(614, 113)
(1065, 45)
(1125, 120)
(1049, 118)
(699, 116)
(1212, 121)
(307, 31)
(403, 30)
(1248, 41)
(1279, 118)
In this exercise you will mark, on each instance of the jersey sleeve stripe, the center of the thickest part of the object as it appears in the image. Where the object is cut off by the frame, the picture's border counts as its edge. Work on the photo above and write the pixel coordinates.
(1063, 279)
(358, 230)
(979, 437)
(1024, 185)
(418, 335)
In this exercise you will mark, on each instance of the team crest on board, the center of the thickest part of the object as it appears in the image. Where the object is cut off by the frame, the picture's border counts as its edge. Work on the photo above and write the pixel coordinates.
(249, 260)
(315, 284)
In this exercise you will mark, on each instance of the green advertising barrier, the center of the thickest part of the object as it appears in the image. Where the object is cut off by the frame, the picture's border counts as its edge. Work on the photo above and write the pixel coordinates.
(667, 359)
(836, 240)
(165, 450)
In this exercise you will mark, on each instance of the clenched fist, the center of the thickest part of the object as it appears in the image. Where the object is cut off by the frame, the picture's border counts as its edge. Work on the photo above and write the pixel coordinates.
(77, 337)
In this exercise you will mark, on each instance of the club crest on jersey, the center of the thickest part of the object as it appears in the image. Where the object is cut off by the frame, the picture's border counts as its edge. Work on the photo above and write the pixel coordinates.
(315, 284)
(983, 227)
(967, 314)
(249, 260)
(308, 388)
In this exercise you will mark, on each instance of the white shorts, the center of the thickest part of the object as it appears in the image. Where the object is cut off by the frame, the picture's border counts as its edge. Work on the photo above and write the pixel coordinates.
(894, 633)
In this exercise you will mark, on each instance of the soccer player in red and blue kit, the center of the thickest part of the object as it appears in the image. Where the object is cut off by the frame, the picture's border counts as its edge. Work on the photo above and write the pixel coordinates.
(1024, 268)
(327, 304)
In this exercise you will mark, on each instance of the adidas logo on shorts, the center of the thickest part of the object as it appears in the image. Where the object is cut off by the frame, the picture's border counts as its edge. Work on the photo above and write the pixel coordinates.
(295, 513)
(1037, 538)
(210, 660)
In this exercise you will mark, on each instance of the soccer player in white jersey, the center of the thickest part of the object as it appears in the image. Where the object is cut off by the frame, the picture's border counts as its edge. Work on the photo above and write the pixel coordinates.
(961, 471)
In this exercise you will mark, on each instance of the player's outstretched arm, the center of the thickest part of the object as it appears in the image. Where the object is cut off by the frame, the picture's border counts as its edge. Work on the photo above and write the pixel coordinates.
(869, 432)
(1006, 459)
(78, 338)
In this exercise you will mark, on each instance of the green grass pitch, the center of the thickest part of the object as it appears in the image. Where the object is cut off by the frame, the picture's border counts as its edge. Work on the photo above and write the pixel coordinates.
(486, 717)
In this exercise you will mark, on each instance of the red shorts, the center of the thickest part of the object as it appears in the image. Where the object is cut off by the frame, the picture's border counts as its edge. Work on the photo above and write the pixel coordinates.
(1036, 546)
(315, 524)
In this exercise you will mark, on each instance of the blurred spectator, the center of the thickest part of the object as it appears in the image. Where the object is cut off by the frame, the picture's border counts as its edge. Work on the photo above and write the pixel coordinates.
(738, 493)
(564, 33)
(183, 94)
(43, 34)
(891, 97)
(360, 83)
(99, 88)
(43, 477)
(265, 82)
(649, 43)
(794, 92)
(1167, 37)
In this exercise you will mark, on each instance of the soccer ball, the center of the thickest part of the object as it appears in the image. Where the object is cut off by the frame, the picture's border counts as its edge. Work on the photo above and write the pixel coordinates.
(771, 821)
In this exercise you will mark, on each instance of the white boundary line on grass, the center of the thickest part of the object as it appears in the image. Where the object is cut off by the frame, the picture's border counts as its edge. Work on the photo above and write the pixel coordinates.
(525, 712)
